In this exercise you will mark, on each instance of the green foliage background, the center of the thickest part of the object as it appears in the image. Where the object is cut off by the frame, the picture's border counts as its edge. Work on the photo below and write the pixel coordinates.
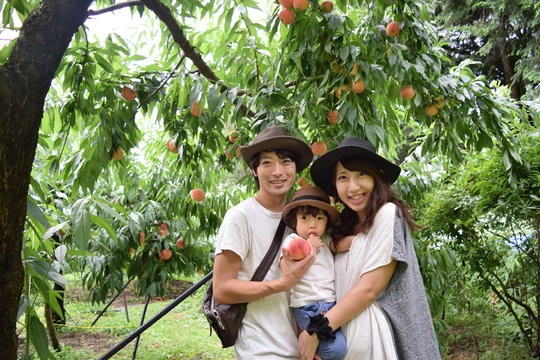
(248, 71)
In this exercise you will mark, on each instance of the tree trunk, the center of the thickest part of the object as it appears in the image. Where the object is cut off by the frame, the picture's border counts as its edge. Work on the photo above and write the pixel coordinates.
(25, 80)
(50, 328)
(537, 289)
(516, 85)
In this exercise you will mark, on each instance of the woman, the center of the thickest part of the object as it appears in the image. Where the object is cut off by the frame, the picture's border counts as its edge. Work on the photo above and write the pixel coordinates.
(381, 302)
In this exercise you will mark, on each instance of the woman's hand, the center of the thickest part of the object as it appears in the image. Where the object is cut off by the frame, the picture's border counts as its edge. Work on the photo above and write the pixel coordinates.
(307, 345)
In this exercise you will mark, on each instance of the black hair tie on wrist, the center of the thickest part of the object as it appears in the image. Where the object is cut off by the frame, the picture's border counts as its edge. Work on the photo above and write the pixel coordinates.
(318, 324)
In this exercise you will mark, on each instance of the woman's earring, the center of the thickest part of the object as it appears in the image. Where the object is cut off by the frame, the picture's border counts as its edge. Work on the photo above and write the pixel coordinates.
(339, 206)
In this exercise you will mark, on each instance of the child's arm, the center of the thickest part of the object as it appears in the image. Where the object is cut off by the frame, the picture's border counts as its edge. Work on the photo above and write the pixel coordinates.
(343, 245)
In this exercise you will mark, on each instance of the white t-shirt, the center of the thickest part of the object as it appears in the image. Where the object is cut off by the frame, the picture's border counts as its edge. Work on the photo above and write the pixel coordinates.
(317, 284)
(268, 330)
(368, 335)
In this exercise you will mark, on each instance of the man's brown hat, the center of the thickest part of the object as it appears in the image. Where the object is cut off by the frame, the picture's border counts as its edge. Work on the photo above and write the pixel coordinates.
(312, 196)
(275, 137)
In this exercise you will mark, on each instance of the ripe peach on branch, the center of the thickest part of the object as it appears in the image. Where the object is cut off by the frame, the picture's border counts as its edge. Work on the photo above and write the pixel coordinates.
(180, 243)
(407, 93)
(287, 4)
(195, 109)
(142, 238)
(354, 70)
(327, 6)
(392, 29)
(318, 148)
(439, 102)
(128, 94)
(300, 5)
(286, 16)
(172, 146)
(358, 87)
(118, 154)
(197, 195)
(431, 109)
(165, 254)
(233, 136)
(163, 229)
(333, 117)
(303, 181)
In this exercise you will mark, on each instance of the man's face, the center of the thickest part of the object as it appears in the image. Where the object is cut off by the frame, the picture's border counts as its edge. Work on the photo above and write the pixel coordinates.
(276, 176)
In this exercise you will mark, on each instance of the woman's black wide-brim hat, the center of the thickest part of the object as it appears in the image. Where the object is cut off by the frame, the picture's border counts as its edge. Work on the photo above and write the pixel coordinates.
(322, 168)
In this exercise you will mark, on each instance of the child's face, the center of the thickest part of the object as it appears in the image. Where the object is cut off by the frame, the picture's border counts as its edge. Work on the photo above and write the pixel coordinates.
(308, 224)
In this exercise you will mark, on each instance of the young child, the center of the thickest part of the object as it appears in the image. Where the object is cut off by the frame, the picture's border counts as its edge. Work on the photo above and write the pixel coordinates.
(310, 214)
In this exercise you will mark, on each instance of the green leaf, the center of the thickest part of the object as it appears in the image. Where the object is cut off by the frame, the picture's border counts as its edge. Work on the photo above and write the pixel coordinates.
(46, 270)
(38, 337)
(506, 160)
(35, 212)
(81, 223)
(215, 99)
(104, 63)
(109, 210)
(5, 52)
(102, 223)
(23, 305)
(7, 18)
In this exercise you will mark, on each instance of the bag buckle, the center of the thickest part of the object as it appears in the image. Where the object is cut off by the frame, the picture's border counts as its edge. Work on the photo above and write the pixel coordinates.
(218, 319)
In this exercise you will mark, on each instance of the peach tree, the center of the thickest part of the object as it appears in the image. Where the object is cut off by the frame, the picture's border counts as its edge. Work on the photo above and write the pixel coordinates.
(86, 121)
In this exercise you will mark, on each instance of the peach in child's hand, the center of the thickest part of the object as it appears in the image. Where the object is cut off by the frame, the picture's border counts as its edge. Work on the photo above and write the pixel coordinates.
(298, 248)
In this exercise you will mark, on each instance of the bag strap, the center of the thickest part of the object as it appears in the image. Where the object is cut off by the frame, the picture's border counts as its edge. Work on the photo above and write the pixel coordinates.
(271, 254)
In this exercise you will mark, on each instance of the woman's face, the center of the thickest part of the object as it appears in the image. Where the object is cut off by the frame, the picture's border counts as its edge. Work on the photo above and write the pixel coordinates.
(354, 188)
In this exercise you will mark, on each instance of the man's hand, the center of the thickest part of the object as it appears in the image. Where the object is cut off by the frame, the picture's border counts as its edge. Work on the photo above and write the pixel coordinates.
(293, 270)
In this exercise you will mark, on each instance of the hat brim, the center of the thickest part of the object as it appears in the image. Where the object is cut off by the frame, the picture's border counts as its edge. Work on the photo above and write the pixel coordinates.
(321, 170)
(305, 155)
(332, 212)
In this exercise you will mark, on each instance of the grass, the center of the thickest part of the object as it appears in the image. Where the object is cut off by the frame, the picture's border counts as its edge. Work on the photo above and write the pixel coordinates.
(181, 334)
(484, 335)
(480, 333)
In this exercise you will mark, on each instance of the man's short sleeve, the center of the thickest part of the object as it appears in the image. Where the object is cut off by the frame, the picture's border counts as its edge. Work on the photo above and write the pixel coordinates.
(233, 234)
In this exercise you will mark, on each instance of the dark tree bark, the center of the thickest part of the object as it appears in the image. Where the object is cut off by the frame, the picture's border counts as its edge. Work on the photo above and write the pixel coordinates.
(24, 82)
(50, 327)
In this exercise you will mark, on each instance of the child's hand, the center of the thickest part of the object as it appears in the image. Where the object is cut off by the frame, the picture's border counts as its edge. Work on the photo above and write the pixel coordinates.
(315, 241)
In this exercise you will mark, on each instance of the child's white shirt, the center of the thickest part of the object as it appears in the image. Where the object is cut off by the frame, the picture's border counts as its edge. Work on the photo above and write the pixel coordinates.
(317, 284)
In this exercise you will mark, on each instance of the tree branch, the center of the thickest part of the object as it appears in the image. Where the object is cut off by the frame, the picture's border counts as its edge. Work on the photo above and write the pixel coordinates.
(510, 308)
(114, 7)
(164, 81)
(504, 289)
(165, 15)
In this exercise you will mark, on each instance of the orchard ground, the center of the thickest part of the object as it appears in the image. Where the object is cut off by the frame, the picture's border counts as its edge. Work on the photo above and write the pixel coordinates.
(184, 333)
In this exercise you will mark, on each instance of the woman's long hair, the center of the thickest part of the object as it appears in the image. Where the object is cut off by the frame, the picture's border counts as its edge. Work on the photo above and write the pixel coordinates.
(349, 223)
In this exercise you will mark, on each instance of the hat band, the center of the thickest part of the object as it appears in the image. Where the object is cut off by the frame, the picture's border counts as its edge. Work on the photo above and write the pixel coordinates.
(311, 197)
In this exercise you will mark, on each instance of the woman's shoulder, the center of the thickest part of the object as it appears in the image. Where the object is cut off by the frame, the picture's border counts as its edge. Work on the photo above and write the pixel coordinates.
(387, 210)
(385, 217)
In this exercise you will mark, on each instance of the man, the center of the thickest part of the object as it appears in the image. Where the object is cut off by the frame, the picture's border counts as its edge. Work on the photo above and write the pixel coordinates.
(268, 330)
